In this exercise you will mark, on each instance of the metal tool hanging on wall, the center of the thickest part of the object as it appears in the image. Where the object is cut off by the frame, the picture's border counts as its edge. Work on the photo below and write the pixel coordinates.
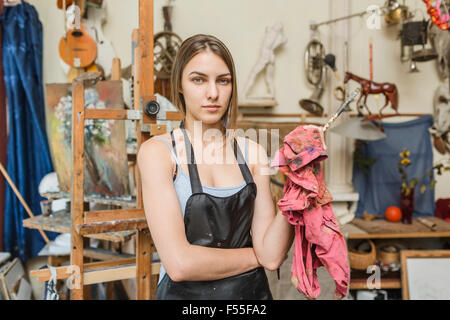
(315, 69)
(341, 109)
(415, 33)
(395, 12)
(316, 63)
(392, 10)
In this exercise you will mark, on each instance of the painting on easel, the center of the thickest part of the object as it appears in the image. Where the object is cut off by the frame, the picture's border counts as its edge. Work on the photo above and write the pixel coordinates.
(106, 162)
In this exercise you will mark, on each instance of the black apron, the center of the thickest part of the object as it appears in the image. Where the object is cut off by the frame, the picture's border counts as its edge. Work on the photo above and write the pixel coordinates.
(218, 222)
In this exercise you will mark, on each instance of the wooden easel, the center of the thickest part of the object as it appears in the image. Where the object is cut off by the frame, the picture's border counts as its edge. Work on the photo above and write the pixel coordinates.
(86, 223)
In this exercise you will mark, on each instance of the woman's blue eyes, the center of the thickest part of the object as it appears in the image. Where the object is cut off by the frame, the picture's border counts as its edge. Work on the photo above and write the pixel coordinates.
(221, 81)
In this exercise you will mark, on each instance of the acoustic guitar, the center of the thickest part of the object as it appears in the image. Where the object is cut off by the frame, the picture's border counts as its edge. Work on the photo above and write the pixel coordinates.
(77, 48)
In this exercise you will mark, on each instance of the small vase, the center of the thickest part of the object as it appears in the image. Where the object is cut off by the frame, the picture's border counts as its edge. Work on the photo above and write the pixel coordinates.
(407, 206)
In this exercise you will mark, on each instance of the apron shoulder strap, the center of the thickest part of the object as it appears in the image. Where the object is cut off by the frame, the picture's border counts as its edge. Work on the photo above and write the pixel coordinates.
(193, 172)
(242, 164)
(175, 151)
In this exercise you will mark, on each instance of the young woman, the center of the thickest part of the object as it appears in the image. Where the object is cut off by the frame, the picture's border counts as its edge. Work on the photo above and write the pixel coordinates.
(209, 208)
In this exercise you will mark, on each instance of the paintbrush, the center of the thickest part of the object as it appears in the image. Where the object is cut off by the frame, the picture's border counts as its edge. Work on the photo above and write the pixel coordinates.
(341, 108)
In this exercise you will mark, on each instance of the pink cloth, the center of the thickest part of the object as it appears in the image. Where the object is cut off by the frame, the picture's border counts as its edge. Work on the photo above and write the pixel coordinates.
(307, 205)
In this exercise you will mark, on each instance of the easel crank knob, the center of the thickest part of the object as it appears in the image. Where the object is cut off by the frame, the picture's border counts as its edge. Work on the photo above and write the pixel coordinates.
(151, 108)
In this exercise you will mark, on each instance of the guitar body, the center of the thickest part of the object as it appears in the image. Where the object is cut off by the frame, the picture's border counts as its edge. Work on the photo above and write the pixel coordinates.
(77, 48)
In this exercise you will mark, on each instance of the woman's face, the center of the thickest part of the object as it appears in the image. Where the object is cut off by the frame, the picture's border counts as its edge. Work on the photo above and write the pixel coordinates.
(206, 85)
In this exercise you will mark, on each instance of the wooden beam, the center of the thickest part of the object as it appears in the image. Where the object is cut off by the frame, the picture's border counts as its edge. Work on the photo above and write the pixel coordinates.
(174, 115)
(146, 56)
(111, 274)
(21, 199)
(44, 274)
(143, 264)
(157, 129)
(118, 114)
(137, 106)
(111, 226)
(113, 215)
(77, 203)
(108, 264)
(105, 255)
(116, 69)
(65, 272)
(110, 114)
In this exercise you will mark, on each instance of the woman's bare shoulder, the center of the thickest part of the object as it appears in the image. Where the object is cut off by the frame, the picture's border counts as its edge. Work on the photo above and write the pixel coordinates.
(155, 151)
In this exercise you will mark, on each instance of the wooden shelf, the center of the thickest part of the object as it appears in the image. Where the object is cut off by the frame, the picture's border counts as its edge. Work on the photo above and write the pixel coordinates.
(389, 280)
(257, 104)
(383, 229)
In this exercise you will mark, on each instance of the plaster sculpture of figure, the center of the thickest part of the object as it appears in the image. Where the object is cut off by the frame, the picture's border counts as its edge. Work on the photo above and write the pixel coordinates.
(273, 39)
(440, 40)
(441, 127)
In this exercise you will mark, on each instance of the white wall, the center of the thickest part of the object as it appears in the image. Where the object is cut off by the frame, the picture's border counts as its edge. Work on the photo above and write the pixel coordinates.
(240, 25)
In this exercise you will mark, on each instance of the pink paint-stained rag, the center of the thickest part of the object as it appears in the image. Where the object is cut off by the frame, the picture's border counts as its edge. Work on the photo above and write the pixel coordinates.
(306, 203)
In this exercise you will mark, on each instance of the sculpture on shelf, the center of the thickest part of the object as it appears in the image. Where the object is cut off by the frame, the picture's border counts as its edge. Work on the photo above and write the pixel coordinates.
(273, 39)
(441, 127)
(440, 40)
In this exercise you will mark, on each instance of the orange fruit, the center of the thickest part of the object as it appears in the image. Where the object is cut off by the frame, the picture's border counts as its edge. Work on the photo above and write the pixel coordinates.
(393, 214)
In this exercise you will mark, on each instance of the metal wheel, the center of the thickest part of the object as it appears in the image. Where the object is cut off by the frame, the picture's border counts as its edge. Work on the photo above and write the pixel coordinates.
(166, 45)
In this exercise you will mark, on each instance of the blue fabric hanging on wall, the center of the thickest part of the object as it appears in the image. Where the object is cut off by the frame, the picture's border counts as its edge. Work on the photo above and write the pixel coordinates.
(28, 152)
(380, 188)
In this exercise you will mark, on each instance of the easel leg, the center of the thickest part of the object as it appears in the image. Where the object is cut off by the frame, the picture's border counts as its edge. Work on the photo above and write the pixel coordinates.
(143, 264)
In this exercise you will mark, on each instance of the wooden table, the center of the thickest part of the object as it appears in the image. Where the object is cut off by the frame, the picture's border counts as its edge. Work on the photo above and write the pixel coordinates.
(383, 229)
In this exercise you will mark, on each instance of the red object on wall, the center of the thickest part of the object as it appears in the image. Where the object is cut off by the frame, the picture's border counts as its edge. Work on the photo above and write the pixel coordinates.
(3, 136)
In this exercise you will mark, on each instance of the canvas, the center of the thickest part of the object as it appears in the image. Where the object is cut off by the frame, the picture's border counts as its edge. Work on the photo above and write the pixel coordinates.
(106, 163)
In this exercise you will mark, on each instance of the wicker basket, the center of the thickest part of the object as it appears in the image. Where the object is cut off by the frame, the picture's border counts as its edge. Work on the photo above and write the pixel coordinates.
(361, 260)
(389, 254)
